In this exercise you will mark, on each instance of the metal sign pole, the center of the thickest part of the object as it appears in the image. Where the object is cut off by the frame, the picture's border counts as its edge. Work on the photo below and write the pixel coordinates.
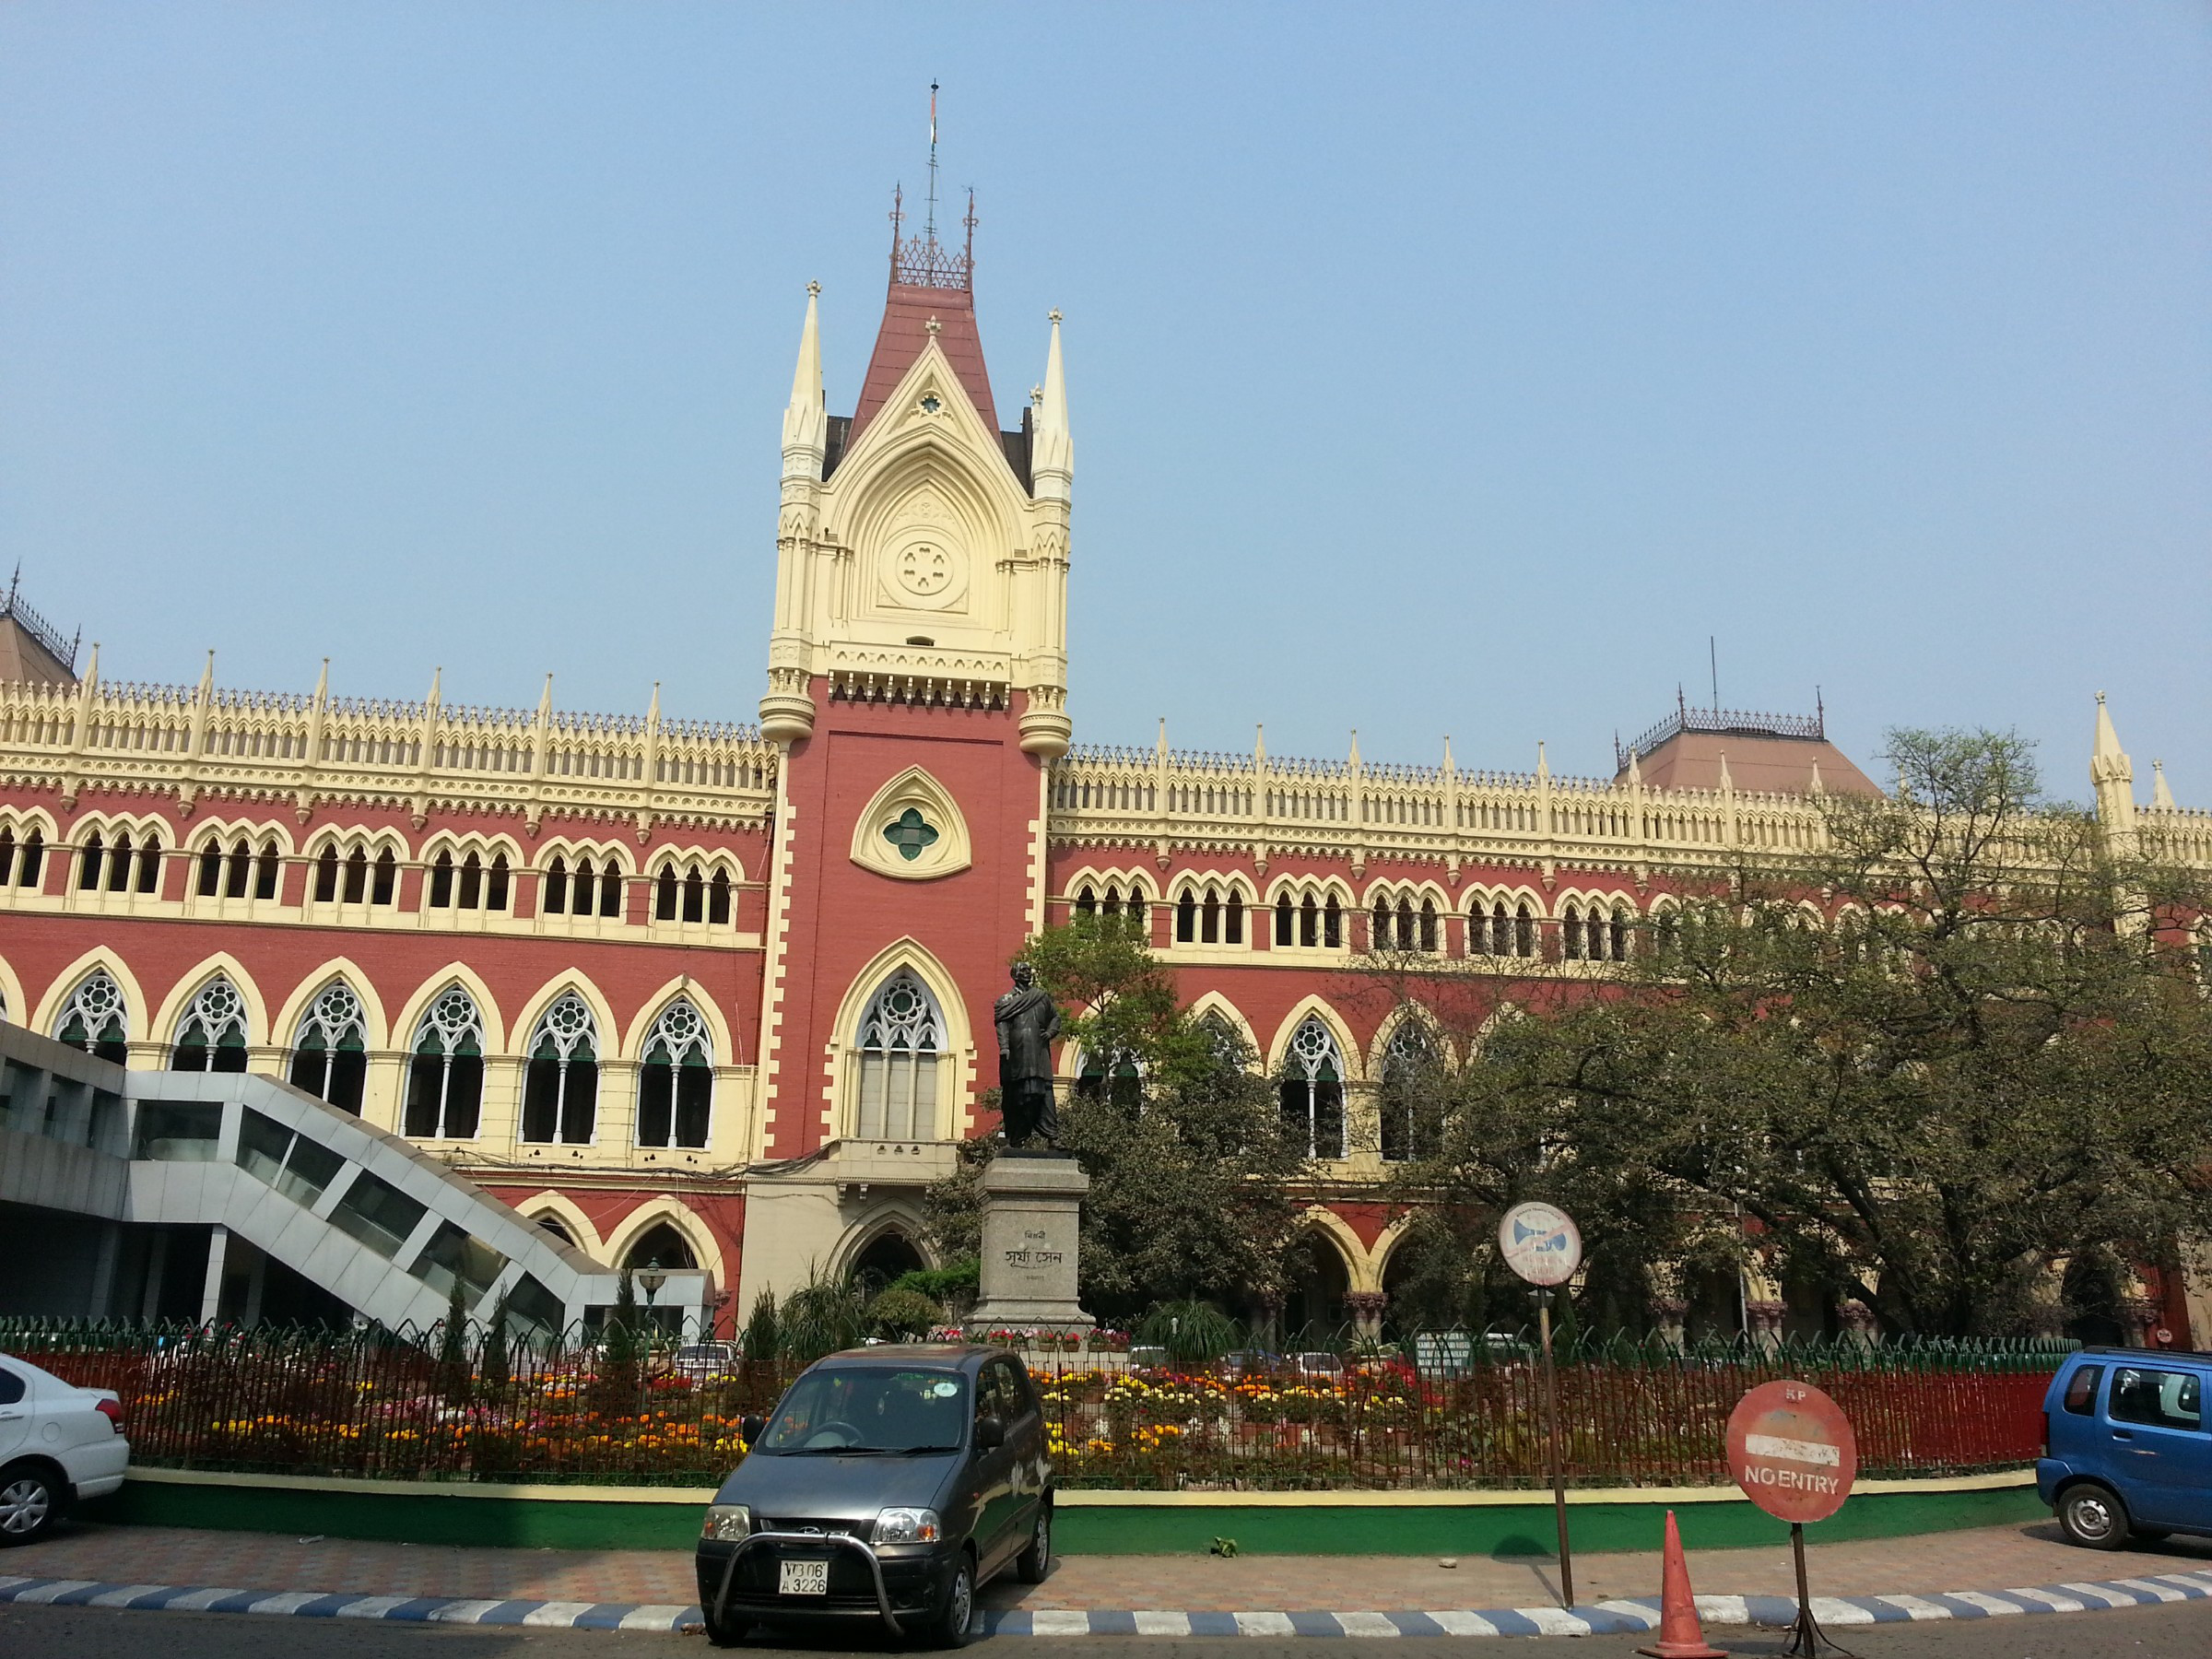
(1551, 1434)
(1807, 1637)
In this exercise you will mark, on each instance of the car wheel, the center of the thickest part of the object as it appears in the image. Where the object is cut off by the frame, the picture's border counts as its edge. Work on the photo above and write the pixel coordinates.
(949, 1629)
(725, 1632)
(2093, 1516)
(1033, 1563)
(29, 1504)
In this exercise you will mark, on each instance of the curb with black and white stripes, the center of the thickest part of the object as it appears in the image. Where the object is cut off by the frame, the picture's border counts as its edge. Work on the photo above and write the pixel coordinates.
(1609, 1617)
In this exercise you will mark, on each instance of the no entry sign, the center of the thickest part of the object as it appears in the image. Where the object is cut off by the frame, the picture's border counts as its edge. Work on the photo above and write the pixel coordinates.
(1790, 1448)
(1540, 1242)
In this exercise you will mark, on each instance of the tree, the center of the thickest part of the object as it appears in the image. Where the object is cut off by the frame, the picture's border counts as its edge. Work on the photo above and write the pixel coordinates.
(1929, 1063)
(1191, 1172)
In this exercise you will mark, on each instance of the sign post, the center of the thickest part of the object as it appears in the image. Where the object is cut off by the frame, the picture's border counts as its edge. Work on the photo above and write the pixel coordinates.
(1791, 1450)
(1541, 1243)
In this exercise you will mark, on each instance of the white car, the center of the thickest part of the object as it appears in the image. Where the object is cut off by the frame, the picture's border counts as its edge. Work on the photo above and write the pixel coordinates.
(58, 1443)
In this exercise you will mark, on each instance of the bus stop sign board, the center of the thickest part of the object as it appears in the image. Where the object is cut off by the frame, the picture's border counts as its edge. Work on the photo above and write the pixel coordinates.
(1790, 1448)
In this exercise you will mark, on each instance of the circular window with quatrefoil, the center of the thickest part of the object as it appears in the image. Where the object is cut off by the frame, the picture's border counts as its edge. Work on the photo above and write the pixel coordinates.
(912, 830)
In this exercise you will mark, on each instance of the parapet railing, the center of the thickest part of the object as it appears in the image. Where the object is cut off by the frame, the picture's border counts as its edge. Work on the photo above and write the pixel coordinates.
(316, 746)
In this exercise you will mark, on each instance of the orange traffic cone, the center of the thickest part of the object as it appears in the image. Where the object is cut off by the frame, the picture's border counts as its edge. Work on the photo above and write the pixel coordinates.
(1680, 1635)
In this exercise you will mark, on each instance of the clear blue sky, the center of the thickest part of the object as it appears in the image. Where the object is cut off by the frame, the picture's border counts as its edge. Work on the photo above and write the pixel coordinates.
(1432, 370)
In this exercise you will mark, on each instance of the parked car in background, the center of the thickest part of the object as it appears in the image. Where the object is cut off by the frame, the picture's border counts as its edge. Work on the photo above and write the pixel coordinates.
(58, 1443)
(705, 1360)
(2126, 1452)
(891, 1484)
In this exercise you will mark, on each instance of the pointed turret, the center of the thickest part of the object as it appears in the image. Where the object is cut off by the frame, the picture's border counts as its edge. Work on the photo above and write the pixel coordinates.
(2112, 775)
(2161, 797)
(806, 419)
(1052, 458)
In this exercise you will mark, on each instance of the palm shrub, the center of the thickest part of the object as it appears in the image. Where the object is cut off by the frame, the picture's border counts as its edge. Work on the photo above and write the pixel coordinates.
(1190, 1332)
(820, 1317)
(763, 1338)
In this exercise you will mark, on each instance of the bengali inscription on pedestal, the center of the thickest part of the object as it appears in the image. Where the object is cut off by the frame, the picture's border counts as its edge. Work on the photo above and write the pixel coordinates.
(1032, 1213)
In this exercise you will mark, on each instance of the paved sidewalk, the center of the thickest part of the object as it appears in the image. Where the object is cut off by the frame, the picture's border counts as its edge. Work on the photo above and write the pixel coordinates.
(1958, 1574)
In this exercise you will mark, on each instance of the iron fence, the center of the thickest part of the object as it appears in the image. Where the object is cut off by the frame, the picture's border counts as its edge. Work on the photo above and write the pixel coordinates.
(1455, 1412)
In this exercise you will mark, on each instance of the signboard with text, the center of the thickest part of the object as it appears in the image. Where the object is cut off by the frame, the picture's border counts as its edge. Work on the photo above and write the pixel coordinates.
(1791, 1448)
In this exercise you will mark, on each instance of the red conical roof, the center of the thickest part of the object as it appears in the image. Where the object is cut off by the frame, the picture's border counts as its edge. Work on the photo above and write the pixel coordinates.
(927, 282)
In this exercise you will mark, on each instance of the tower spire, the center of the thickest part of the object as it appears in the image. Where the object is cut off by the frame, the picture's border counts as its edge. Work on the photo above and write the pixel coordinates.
(806, 422)
(929, 228)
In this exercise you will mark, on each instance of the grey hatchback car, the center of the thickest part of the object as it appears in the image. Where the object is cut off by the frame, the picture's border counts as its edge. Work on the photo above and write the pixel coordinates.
(890, 1484)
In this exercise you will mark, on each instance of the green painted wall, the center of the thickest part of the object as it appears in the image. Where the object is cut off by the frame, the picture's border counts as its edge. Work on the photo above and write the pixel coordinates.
(1320, 1528)
(1518, 1529)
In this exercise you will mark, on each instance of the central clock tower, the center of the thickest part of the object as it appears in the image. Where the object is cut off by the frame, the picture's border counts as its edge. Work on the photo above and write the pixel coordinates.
(917, 685)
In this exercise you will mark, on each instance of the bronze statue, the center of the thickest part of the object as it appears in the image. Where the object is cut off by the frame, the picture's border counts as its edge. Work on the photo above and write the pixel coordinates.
(1027, 1024)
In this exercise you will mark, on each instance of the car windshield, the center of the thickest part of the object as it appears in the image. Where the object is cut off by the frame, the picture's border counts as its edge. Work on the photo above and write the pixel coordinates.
(869, 1408)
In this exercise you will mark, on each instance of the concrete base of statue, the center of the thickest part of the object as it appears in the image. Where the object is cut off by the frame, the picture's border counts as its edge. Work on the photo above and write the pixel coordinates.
(1032, 1215)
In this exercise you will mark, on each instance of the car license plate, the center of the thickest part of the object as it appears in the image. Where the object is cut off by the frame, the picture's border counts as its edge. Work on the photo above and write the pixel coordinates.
(802, 1578)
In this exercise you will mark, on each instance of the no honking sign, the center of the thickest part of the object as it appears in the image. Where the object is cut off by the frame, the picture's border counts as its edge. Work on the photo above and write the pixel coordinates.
(1791, 1448)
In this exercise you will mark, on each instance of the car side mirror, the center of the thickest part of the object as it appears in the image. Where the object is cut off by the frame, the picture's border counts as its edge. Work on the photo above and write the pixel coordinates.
(750, 1427)
(990, 1434)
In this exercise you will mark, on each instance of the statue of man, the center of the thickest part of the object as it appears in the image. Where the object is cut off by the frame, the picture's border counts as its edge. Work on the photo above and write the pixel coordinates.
(1027, 1024)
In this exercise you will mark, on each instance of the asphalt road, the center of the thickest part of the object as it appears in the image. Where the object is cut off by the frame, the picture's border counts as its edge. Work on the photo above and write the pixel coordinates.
(2179, 1630)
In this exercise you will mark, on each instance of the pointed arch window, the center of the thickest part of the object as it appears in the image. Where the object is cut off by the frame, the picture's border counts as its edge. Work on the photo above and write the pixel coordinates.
(88, 863)
(1409, 1066)
(330, 1055)
(25, 873)
(119, 865)
(1117, 1077)
(211, 870)
(92, 1019)
(560, 1090)
(664, 895)
(1231, 1052)
(662, 1246)
(1524, 932)
(718, 899)
(267, 870)
(357, 875)
(442, 882)
(1311, 1091)
(1571, 934)
(675, 1085)
(901, 1038)
(445, 1072)
(212, 1035)
(237, 876)
(554, 888)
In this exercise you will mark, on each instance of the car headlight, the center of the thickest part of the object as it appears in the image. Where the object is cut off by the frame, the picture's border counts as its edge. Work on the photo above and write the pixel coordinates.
(907, 1526)
(727, 1522)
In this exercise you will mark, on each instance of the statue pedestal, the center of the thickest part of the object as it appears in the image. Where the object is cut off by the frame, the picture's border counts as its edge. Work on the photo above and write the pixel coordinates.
(1032, 1210)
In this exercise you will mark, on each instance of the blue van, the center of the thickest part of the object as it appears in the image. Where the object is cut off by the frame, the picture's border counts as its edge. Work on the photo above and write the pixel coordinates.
(2126, 1453)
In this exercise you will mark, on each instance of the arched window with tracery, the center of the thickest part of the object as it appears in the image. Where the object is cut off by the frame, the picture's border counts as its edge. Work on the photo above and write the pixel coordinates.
(330, 1055)
(560, 1090)
(676, 1084)
(445, 1070)
(900, 1041)
(212, 1035)
(1231, 1052)
(1409, 1071)
(1311, 1091)
(92, 1019)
